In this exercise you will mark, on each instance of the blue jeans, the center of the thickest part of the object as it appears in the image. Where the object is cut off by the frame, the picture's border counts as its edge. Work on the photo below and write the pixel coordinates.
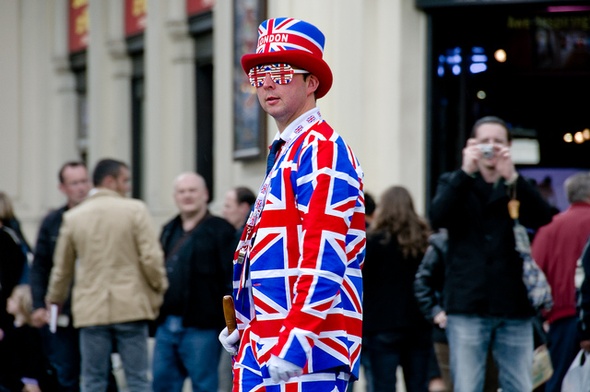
(182, 352)
(511, 342)
(63, 352)
(409, 349)
(563, 347)
(96, 346)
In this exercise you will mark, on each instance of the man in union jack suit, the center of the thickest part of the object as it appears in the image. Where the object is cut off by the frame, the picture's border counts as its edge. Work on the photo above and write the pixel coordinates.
(297, 268)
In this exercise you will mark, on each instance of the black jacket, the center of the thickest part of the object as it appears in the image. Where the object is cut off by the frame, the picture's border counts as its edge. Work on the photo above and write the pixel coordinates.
(206, 260)
(430, 277)
(12, 260)
(483, 274)
(43, 261)
(388, 289)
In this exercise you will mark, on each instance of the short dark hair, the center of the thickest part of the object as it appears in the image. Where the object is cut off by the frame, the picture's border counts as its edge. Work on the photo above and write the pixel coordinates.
(491, 120)
(107, 168)
(245, 195)
(66, 165)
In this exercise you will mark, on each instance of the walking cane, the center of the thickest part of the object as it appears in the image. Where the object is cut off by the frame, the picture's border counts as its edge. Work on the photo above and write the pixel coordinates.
(229, 312)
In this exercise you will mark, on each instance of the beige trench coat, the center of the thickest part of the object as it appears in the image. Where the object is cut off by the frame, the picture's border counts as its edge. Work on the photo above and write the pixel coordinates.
(108, 245)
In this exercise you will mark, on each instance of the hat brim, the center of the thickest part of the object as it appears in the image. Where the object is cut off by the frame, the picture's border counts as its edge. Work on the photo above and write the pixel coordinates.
(296, 59)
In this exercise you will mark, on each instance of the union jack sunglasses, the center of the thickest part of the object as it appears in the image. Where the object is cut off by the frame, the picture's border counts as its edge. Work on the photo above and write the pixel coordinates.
(279, 73)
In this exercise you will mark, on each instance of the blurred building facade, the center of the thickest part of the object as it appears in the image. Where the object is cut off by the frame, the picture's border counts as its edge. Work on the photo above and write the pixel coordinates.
(157, 83)
(163, 99)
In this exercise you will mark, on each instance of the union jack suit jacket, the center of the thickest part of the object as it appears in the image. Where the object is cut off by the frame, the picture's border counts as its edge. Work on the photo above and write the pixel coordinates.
(297, 268)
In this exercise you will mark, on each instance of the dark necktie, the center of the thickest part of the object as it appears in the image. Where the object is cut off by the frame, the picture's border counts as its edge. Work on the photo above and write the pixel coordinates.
(272, 155)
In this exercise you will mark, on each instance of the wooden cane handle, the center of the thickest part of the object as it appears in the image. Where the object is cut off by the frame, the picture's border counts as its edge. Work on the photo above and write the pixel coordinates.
(229, 312)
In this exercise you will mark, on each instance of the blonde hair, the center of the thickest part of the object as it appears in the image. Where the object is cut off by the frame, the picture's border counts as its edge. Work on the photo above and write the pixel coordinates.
(21, 294)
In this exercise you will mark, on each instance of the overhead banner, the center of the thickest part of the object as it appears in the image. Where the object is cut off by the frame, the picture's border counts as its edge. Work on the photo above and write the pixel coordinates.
(135, 17)
(78, 25)
(195, 7)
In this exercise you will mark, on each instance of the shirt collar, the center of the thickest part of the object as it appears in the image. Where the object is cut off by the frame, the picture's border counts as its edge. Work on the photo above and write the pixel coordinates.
(290, 131)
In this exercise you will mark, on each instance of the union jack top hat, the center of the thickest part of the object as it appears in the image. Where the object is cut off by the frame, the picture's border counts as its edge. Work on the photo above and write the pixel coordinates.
(294, 42)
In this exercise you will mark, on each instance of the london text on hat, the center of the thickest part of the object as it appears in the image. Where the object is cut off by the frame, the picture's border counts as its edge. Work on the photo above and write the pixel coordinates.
(295, 42)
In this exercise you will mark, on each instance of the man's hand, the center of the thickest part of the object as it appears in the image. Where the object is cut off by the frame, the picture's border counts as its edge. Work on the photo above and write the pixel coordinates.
(471, 156)
(280, 369)
(585, 344)
(441, 319)
(39, 317)
(505, 166)
(229, 341)
(31, 388)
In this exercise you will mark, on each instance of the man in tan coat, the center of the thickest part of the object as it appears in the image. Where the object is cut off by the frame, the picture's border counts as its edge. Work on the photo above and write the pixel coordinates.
(108, 245)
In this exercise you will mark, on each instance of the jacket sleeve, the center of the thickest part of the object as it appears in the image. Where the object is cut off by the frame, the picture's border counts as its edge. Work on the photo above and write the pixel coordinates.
(225, 245)
(425, 285)
(534, 210)
(42, 264)
(151, 256)
(62, 272)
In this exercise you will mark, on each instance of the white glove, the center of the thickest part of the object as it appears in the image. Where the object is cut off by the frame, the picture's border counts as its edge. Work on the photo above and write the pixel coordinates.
(280, 369)
(229, 341)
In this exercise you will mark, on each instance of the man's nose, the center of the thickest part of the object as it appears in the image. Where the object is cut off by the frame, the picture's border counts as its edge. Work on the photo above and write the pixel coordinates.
(268, 82)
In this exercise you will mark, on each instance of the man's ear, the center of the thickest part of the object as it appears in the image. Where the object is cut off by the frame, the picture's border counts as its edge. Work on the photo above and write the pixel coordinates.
(313, 83)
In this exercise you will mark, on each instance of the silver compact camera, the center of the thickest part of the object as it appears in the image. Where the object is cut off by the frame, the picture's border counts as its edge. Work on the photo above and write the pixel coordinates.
(487, 150)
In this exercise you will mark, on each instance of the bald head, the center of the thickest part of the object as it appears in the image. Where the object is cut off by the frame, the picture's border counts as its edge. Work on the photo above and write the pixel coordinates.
(191, 194)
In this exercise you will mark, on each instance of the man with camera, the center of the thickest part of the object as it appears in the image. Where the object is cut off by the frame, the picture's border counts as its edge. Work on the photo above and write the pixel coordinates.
(484, 295)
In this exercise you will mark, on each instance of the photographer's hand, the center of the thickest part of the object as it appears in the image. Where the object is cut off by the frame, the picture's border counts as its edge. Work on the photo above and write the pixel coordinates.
(471, 156)
(505, 166)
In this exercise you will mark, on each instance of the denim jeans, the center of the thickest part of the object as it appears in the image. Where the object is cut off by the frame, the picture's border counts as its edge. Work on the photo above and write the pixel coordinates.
(563, 348)
(96, 346)
(410, 349)
(511, 342)
(63, 351)
(182, 352)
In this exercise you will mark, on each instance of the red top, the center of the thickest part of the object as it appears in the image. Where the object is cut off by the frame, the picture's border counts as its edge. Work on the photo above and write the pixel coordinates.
(556, 248)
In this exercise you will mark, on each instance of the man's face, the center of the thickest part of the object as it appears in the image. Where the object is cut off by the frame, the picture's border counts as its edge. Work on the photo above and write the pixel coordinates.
(75, 185)
(232, 211)
(286, 102)
(190, 194)
(123, 181)
(492, 134)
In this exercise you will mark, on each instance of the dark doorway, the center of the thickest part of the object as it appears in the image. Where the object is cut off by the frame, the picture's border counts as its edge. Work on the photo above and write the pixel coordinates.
(539, 89)
(204, 109)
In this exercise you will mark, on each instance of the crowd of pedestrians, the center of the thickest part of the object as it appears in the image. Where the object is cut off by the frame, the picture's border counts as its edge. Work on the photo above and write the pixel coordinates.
(325, 281)
(449, 295)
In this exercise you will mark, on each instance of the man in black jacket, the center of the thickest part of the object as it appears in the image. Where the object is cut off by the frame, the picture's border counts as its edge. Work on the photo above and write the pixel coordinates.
(484, 295)
(199, 253)
(63, 347)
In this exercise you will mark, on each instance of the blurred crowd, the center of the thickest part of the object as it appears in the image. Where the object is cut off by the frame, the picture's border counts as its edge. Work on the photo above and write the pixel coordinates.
(443, 298)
